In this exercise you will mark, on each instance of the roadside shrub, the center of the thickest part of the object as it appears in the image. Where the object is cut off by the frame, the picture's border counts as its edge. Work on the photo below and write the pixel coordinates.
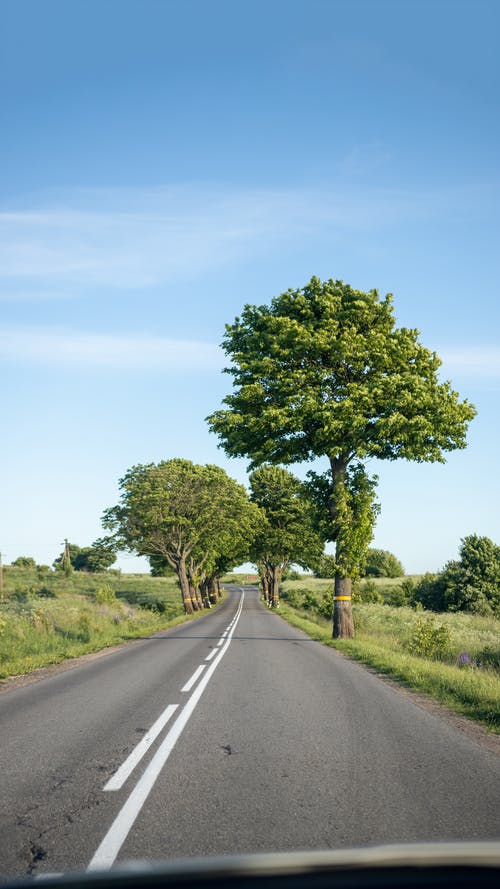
(427, 639)
(489, 658)
(310, 601)
(153, 602)
(45, 593)
(23, 594)
(428, 592)
(326, 606)
(104, 593)
(368, 592)
(293, 597)
(401, 595)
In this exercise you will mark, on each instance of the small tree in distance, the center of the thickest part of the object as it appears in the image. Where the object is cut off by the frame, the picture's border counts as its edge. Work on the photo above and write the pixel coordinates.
(382, 563)
(185, 514)
(323, 372)
(24, 562)
(286, 534)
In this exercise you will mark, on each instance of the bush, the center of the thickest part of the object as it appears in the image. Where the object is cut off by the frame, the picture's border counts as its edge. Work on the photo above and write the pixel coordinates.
(401, 595)
(429, 591)
(310, 601)
(24, 562)
(293, 597)
(45, 593)
(23, 594)
(382, 563)
(153, 602)
(326, 606)
(489, 658)
(429, 640)
(104, 593)
(471, 583)
(368, 592)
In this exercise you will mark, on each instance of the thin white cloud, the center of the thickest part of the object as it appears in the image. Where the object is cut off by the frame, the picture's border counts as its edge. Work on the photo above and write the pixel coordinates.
(135, 238)
(59, 346)
(483, 361)
(55, 346)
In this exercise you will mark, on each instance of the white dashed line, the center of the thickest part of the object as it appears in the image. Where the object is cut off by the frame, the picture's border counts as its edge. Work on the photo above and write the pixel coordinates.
(194, 678)
(124, 821)
(211, 655)
(118, 779)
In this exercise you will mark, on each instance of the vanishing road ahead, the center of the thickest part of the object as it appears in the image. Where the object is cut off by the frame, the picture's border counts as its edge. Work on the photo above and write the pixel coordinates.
(232, 733)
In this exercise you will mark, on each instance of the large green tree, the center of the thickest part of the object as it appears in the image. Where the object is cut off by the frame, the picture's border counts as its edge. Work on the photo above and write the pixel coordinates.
(183, 513)
(286, 533)
(324, 372)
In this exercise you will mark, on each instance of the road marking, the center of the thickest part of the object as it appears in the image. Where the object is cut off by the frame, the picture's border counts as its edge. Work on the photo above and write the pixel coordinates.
(211, 655)
(194, 678)
(124, 821)
(120, 776)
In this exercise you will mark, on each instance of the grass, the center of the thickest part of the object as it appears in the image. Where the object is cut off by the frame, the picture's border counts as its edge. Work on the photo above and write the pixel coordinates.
(45, 620)
(383, 641)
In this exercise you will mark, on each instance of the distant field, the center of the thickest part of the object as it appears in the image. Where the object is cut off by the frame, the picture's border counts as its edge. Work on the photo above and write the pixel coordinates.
(463, 673)
(241, 579)
(46, 617)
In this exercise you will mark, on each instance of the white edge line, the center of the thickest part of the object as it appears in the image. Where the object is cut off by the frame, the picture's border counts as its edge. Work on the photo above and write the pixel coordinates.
(197, 673)
(121, 826)
(120, 776)
(211, 655)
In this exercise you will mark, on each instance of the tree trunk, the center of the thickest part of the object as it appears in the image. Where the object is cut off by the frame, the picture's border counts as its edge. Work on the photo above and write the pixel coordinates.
(185, 590)
(343, 624)
(196, 596)
(212, 592)
(205, 594)
(275, 586)
(219, 588)
(265, 586)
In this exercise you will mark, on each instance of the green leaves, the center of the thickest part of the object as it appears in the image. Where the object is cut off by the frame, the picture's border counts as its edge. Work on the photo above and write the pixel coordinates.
(286, 533)
(324, 371)
(176, 510)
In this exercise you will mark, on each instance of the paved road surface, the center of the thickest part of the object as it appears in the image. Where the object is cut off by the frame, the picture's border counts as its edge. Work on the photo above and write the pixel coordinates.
(263, 740)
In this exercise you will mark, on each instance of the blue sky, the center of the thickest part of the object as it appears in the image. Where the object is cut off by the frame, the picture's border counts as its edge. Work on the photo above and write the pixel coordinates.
(162, 163)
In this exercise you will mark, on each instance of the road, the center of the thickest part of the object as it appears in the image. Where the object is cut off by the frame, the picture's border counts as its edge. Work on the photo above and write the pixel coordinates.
(232, 733)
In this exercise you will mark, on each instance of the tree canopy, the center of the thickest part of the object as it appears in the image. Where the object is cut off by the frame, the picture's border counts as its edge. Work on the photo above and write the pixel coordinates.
(286, 534)
(382, 563)
(469, 583)
(324, 372)
(98, 557)
(191, 516)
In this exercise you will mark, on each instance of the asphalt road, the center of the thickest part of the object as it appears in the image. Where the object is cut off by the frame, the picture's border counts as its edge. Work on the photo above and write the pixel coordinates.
(251, 737)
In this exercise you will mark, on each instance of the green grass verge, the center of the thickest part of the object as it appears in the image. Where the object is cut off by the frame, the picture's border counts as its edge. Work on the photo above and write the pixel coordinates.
(47, 621)
(380, 638)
